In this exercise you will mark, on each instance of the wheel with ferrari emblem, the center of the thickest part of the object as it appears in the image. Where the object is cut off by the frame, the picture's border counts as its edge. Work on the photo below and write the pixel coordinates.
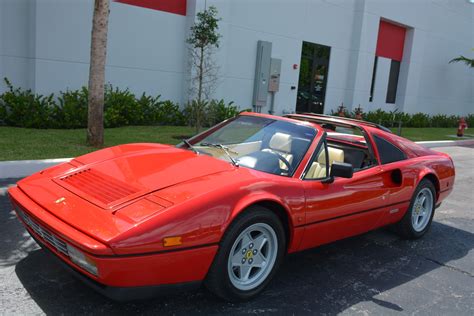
(249, 255)
(419, 216)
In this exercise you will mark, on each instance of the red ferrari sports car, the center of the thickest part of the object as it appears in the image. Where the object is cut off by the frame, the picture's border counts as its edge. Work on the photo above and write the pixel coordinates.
(224, 207)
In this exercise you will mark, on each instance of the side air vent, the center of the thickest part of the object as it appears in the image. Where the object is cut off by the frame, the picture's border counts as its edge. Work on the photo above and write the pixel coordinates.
(101, 187)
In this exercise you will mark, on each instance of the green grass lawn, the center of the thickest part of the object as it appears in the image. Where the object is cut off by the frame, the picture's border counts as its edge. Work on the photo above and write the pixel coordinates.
(25, 143)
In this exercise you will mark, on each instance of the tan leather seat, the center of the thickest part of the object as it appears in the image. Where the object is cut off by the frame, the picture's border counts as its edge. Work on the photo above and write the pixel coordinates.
(318, 168)
(281, 143)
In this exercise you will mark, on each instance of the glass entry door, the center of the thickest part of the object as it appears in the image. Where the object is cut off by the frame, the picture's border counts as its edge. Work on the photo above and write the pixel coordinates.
(313, 78)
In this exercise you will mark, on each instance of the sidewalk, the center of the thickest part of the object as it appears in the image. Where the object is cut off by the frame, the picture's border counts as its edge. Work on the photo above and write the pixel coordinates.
(447, 143)
(23, 168)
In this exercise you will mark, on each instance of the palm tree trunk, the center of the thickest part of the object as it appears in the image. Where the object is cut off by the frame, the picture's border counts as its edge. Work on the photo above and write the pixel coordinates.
(95, 119)
(199, 100)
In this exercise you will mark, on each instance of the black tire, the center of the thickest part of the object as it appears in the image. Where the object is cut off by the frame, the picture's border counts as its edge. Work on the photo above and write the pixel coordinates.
(218, 280)
(404, 227)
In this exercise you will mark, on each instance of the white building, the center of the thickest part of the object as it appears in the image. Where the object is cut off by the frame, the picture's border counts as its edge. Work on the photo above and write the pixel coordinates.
(328, 50)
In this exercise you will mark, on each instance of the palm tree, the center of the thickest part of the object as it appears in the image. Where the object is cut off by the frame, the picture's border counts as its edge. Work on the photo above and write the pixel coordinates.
(462, 59)
(95, 118)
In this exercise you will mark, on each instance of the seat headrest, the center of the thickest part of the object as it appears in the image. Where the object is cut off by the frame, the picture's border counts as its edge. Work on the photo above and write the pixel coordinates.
(334, 155)
(281, 142)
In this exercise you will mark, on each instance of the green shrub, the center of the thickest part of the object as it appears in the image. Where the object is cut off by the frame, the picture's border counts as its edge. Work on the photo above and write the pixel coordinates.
(420, 120)
(470, 120)
(3, 112)
(23, 108)
(71, 109)
(208, 113)
(170, 114)
(120, 108)
(149, 107)
(379, 116)
(218, 111)
(442, 120)
(392, 119)
(403, 117)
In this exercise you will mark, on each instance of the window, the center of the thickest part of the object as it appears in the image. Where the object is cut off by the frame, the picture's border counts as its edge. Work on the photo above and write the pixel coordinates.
(318, 168)
(268, 145)
(388, 153)
(393, 81)
(372, 85)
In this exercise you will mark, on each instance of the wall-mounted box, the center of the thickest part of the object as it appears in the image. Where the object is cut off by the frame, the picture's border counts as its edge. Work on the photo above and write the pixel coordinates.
(275, 72)
(262, 73)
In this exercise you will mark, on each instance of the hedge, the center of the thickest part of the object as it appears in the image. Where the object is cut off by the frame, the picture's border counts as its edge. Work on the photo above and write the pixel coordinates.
(23, 108)
(392, 119)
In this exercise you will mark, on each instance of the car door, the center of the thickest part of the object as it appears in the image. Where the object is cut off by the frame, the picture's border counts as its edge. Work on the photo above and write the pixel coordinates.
(345, 207)
(399, 175)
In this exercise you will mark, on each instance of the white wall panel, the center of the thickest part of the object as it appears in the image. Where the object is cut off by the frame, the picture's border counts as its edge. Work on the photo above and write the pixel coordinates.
(44, 45)
(381, 84)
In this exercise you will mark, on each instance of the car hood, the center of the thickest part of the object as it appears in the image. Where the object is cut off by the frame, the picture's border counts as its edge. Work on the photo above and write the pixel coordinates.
(127, 173)
(108, 192)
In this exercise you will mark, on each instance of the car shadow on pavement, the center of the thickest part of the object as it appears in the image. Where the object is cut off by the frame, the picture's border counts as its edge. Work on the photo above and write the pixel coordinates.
(329, 279)
(15, 240)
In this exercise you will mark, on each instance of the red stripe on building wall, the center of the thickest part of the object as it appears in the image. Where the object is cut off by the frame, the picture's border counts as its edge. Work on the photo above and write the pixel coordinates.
(390, 41)
(172, 6)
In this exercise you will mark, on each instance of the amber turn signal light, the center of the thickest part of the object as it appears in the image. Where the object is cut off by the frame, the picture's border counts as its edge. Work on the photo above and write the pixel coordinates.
(172, 241)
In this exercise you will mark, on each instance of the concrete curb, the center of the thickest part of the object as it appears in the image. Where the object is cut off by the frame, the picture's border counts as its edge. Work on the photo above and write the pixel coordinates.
(447, 143)
(23, 168)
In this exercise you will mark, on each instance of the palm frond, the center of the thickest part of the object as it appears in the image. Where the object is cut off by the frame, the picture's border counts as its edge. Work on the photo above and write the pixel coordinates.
(462, 59)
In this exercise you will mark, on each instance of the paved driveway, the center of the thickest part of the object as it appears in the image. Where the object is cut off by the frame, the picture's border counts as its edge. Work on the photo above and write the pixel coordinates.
(371, 274)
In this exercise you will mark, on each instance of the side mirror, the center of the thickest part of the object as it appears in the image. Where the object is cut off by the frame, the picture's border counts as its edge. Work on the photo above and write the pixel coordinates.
(342, 170)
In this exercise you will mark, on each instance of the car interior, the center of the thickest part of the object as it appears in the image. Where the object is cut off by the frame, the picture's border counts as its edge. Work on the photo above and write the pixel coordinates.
(278, 149)
(278, 153)
(345, 145)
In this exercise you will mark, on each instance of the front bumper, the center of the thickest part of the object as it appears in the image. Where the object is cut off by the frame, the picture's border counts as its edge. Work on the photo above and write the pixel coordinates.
(119, 276)
(124, 294)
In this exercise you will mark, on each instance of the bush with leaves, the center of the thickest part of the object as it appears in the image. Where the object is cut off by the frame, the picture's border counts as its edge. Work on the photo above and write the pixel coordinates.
(195, 114)
(169, 113)
(470, 120)
(379, 117)
(71, 109)
(218, 111)
(208, 113)
(23, 108)
(392, 119)
(3, 112)
(149, 107)
(120, 108)
(442, 120)
(420, 120)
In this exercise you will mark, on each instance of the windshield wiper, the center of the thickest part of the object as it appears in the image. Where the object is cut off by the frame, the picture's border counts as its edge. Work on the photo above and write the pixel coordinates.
(224, 149)
(187, 143)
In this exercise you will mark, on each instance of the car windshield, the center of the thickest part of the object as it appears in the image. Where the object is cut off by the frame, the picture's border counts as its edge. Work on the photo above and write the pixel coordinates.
(265, 144)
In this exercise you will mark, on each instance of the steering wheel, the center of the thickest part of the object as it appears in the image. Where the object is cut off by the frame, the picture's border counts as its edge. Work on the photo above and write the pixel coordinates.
(282, 159)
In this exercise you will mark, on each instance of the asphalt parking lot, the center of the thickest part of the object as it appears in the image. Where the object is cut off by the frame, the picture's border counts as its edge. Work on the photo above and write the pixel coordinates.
(376, 273)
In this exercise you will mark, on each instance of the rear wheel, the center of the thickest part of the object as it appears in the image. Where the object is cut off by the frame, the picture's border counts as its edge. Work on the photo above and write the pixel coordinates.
(249, 255)
(419, 216)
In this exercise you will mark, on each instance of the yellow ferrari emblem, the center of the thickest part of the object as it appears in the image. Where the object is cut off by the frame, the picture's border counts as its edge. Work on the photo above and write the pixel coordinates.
(62, 199)
(249, 254)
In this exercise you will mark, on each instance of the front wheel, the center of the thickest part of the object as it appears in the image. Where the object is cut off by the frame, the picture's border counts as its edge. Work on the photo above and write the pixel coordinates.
(249, 255)
(419, 216)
